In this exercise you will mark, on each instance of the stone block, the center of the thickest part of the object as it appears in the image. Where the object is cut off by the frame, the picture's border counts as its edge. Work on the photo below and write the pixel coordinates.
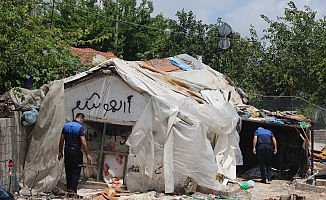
(232, 190)
(320, 182)
(302, 185)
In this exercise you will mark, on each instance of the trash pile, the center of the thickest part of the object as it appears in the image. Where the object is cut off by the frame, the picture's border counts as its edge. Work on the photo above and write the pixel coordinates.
(275, 117)
(236, 189)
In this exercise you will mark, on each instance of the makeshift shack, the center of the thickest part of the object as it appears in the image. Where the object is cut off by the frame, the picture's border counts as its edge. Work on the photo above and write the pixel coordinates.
(153, 124)
(293, 133)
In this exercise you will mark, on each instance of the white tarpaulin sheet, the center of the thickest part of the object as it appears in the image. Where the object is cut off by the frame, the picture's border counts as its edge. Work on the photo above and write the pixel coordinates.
(185, 147)
(175, 137)
(177, 131)
(42, 169)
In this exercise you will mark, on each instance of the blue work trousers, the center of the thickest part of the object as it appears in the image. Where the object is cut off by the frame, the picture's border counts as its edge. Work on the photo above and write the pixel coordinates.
(73, 165)
(265, 153)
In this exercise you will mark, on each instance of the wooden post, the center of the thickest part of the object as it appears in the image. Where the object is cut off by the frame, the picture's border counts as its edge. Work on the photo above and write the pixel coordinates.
(101, 154)
(229, 96)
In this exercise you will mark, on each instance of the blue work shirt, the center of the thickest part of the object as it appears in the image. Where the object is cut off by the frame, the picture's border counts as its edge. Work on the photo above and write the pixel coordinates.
(264, 136)
(72, 131)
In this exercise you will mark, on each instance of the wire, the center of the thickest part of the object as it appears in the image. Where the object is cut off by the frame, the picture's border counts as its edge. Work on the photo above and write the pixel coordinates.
(164, 30)
(181, 33)
(145, 26)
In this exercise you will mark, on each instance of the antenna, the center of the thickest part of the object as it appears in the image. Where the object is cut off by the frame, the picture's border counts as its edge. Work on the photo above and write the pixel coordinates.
(225, 30)
(224, 44)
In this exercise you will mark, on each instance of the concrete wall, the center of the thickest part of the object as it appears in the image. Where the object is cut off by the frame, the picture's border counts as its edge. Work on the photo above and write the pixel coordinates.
(320, 136)
(13, 146)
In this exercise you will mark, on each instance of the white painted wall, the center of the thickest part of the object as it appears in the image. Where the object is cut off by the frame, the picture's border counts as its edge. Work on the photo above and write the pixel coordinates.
(105, 99)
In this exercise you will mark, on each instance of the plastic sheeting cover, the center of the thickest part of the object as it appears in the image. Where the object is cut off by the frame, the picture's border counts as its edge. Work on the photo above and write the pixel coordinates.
(32, 98)
(42, 170)
(175, 61)
(196, 140)
(179, 128)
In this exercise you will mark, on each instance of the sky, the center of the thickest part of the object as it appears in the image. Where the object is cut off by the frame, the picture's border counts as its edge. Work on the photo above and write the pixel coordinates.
(239, 14)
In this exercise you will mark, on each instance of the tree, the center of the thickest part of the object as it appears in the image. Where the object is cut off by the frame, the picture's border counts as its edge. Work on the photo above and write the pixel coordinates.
(81, 21)
(246, 63)
(294, 52)
(187, 35)
(138, 32)
(30, 53)
(118, 26)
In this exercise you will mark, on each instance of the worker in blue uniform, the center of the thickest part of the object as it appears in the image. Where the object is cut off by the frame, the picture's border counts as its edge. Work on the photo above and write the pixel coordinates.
(264, 145)
(73, 138)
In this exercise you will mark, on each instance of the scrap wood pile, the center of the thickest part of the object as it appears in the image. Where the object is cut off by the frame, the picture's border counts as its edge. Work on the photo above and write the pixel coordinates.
(96, 194)
(320, 156)
(104, 194)
(273, 117)
(114, 194)
(320, 161)
(234, 189)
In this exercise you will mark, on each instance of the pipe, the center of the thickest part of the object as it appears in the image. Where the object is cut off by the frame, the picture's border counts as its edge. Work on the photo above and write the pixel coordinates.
(312, 148)
(9, 180)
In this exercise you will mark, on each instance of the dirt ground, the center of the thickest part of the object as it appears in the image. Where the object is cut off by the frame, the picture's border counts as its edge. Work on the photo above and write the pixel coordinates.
(275, 189)
(260, 191)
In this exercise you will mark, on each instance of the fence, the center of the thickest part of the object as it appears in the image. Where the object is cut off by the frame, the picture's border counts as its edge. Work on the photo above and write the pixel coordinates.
(313, 112)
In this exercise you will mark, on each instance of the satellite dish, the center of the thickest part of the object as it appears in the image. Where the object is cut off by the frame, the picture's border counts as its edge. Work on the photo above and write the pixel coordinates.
(224, 43)
(225, 29)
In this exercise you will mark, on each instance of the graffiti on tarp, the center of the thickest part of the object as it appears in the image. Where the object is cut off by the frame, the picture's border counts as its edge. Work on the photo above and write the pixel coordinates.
(134, 169)
(158, 170)
(113, 105)
(90, 135)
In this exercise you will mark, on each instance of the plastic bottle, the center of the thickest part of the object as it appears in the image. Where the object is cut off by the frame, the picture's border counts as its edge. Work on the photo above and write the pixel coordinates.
(244, 185)
(251, 183)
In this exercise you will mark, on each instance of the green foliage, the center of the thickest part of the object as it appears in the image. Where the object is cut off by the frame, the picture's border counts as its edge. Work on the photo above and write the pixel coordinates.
(308, 111)
(138, 33)
(289, 60)
(120, 26)
(79, 22)
(30, 53)
(294, 52)
(187, 35)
